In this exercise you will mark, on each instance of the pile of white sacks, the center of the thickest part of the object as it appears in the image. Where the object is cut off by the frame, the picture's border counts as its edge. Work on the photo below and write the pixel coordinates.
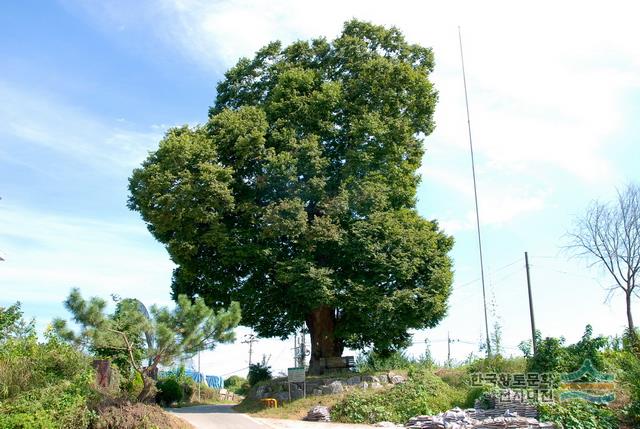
(466, 419)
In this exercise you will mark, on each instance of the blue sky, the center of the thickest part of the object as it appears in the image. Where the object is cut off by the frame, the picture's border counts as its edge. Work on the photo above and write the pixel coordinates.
(86, 90)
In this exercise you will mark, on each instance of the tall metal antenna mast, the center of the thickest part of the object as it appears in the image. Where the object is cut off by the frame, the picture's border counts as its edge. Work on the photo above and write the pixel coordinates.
(475, 194)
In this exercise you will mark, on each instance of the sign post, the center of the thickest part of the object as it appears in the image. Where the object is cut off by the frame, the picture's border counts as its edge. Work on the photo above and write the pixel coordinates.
(297, 375)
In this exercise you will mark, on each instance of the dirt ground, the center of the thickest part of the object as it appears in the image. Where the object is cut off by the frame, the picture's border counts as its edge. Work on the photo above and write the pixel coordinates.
(137, 416)
(297, 424)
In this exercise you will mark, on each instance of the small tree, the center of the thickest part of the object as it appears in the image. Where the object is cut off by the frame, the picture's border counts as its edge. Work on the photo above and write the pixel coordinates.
(12, 325)
(187, 329)
(609, 236)
(259, 372)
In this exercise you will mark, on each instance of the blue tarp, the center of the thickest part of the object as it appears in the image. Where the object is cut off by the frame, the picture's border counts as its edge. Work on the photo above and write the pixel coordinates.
(215, 381)
(197, 376)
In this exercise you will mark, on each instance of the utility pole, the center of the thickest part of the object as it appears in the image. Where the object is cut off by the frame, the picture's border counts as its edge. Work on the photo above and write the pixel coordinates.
(250, 339)
(448, 349)
(295, 349)
(533, 322)
(199, 375)
(303, 348)
(475, 194)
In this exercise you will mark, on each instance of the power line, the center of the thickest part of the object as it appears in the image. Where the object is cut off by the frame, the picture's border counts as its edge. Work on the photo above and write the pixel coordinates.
(233, 372)
(491, 272)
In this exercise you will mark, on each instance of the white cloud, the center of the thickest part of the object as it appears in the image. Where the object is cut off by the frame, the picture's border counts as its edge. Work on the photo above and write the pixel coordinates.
(46, 255)
(499, 203)
(45, 120)
(547, 80)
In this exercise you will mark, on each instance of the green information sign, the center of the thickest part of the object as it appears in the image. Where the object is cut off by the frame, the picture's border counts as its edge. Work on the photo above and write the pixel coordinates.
(296, 375)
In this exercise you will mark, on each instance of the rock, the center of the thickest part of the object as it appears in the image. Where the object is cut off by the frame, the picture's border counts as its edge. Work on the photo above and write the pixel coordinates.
(364, 385)
(397, 379)
(333, 388)
(353, 381)
(375, 385)
(371, 379)
(383, 378)
(459, 419)
(316, 392)
(282, 397)
(318, 414)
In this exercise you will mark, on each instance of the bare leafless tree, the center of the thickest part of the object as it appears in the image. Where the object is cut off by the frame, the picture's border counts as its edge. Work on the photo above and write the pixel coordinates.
(608, 235)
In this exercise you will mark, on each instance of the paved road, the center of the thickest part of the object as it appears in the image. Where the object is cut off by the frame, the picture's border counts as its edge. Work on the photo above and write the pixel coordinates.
(216, 417)
(223, 417)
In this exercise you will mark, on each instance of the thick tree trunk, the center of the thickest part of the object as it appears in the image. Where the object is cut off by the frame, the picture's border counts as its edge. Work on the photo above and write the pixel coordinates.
(322, 323)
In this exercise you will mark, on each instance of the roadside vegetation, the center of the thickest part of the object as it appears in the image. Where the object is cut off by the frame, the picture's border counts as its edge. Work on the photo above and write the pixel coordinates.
(431, 388)
(50, 382)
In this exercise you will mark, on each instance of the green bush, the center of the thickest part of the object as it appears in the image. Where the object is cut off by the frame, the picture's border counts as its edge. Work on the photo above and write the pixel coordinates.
(497, 364)
(372, 361)
(133, 385)
(626, 367)
(169, 391)
(423, 393)
(44, 385)
(578, 414)
(259, 372)
(236, 384)
(553, 356)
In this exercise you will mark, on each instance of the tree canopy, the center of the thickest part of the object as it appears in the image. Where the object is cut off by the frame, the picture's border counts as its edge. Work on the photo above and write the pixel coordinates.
(297, 197)
(187, 329)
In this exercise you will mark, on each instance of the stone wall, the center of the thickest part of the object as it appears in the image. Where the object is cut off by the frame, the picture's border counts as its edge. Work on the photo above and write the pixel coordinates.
(279, 388)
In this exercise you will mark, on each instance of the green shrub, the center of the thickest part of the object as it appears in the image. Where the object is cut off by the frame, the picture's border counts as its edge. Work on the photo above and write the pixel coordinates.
(236, 384)
(423, 393)
(133, 385)
(207, 394)
(497, 364)
(373, 361)
(169, 391)
(553, 356)
(59, 405)
(259, 372)
(578, 414)
(626, 367)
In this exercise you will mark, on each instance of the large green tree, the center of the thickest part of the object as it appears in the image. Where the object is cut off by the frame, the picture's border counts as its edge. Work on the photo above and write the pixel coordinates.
(183, 331)
(297, 197)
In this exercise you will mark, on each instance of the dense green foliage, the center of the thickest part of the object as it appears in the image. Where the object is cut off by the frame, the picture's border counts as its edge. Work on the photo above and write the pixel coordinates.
(258, 372)
(169, 391)
(553, 356)
(578, 414)
(373, 361)
(238, 385)
(297, 197)
(190, 327)
(625, 365)
(423, 393)
(43, 384)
